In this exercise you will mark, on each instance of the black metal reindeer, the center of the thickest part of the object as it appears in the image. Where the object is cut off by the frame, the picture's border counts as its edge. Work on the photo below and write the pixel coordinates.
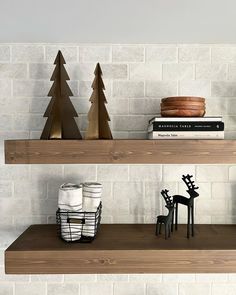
(168, 219)
(189, 202)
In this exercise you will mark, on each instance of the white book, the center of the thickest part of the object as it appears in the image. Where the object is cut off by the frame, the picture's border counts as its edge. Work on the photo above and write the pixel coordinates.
(185, 119)
(186, 135)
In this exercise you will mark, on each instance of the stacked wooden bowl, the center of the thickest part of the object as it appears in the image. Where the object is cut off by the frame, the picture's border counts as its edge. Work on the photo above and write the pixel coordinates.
(183, 106)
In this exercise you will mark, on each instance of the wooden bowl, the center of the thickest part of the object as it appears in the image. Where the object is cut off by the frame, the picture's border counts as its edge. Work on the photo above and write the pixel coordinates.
(183, 106)
(182, 113)
(183, 98)
(190, 108)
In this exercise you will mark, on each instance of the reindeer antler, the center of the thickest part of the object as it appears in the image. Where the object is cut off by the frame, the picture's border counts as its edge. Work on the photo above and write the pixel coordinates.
(168, 199)
(190, 183)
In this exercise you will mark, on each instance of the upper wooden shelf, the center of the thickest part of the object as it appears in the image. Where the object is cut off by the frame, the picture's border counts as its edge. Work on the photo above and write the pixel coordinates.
(120, 151)
(124, 248)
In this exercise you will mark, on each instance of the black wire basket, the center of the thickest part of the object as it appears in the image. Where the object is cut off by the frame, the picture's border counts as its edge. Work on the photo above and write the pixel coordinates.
(80, 227)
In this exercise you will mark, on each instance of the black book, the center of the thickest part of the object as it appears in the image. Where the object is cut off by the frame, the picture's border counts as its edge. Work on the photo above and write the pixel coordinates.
(186, 126)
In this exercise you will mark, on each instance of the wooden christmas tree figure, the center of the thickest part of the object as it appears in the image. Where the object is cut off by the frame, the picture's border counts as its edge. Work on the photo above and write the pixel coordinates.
(60, 111)
(98, 117)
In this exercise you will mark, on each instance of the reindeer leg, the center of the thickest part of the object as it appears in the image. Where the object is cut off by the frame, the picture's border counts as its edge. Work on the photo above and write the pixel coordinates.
(176, 217)
(172, 221)
(157, 228)
(192, 213)
(188, 225)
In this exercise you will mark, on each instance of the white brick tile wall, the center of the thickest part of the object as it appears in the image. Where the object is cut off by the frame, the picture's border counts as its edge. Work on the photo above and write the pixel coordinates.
(232, 173)
(114, 71)
(212, 173)
(29, 289)
(136, 78)
(62, 289)
(181, 278)
(145, 172)
(20, 105)
(13, 71)
(223, 54)
(112, 278)
(79, 278)
(130, 123)
(5, 88)
(161, 88)
(162, 288)
(29, 121)
(4, 53)
(127, 53)
(146, 106)
(70, 53)
(175, 172)
(118, 106)
(198, 87)
(81, 71)
(223, 89)
(161, 54)
(99, 288)
(196, 289)
(215, 72)
(128, 89)
(12, 278)
(129, 288)
(47, 278)
(145, 71)
(112, 172)
(6, 288)
(178, 71)
(194, 54)
(223, 289)
(212, 277)
(80, 173)
(232, 72)
(27, 53)
(41, 71)
(94, 53)
(30, 88)
(145, 278)
(6, 189)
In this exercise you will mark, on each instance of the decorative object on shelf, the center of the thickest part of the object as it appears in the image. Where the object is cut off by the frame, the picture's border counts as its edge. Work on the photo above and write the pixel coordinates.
(186, 128)
(189, 202)
(98, 117)
(92, 192)
(79, 211)
(76, 222)
(70, 208)
(168, 219)
(183, 106)
(60, 111)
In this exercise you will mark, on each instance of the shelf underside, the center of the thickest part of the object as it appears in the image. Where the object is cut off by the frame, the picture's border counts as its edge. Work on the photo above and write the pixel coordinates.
(120, 151)
(124, 248)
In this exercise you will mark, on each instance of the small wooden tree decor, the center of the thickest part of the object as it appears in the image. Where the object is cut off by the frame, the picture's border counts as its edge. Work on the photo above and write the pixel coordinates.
(98, 117)
(60, 111)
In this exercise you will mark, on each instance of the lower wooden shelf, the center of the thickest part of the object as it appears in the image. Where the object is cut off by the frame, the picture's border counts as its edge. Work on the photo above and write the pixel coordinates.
(124, 248)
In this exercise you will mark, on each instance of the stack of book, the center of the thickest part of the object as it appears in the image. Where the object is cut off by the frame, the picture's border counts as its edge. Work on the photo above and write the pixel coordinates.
(186, 128)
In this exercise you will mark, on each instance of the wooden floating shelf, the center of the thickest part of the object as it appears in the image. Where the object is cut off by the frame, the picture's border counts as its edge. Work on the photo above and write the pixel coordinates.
(124, 248)
(120, 151)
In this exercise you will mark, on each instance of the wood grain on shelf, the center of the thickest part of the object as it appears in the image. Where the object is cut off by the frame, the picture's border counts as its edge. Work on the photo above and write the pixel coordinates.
(124, 248)
(120, 151)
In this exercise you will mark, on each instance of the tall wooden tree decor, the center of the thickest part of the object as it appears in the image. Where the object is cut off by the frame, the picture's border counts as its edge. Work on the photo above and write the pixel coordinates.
(60, 111)
(98, 117)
